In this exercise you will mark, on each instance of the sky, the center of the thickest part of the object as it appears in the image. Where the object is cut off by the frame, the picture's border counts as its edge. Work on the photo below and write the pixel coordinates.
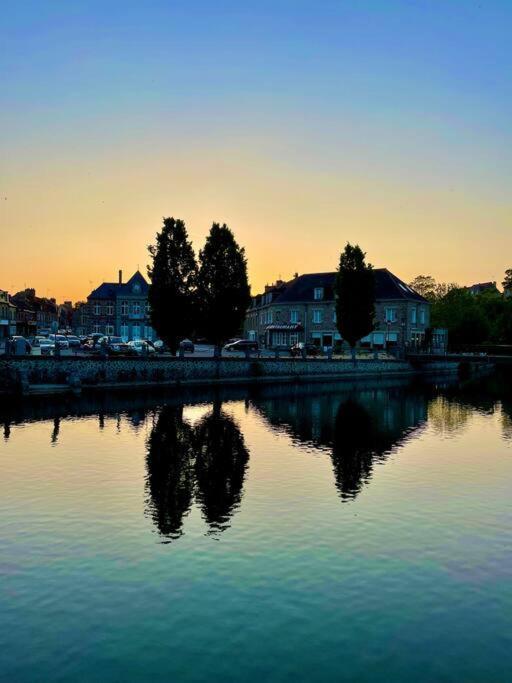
(302, 124)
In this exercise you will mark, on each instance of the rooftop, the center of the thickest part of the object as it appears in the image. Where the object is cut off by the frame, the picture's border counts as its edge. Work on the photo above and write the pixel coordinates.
(302, 288)
(137, 285)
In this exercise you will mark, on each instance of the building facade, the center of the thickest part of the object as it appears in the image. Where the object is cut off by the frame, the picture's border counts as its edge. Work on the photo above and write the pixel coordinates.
(303, 310)
(121, 309)
(34, 314)
(7, 316)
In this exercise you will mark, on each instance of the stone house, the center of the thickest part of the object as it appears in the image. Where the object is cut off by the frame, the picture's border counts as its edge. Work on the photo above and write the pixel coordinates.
(303, 310)
(121, 309)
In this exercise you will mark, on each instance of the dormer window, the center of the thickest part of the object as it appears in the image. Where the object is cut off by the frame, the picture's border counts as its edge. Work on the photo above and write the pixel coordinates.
(318, 293)
(136, 288)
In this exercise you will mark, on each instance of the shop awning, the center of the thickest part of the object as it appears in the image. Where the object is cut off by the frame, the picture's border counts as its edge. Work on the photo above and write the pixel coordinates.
(296, 327)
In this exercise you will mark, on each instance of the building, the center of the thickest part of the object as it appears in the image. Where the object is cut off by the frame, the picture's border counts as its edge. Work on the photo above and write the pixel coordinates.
(481, 287)
(7, 316)
(121, 309)
(303, 309)
(35, 314)
(65, 315)
(80, 318)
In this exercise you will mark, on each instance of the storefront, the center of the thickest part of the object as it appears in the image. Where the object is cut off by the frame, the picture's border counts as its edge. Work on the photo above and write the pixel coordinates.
(282, 336)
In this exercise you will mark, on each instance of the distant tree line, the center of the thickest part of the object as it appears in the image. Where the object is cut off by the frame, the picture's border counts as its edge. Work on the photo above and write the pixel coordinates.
(470, 318)
(207, 296)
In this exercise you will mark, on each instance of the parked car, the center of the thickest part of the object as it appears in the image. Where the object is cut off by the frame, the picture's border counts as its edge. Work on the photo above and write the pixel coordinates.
(141, 347)
(59, 340)
(73, 341)
(160, 346)
(242, 345)
(299, 348)
(46, 346)
(114, 346)
(187, 346)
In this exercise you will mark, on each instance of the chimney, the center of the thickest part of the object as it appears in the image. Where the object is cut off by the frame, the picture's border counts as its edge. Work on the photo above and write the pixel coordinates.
(120, 277)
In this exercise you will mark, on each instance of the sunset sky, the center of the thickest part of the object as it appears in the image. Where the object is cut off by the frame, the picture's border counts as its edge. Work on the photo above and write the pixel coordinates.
(301, 124)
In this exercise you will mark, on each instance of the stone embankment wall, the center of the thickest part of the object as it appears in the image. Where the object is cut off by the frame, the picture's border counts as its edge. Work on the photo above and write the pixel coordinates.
(38, 374)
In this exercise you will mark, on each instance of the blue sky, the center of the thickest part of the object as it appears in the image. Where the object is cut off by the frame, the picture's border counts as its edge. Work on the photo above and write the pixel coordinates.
(390, 103)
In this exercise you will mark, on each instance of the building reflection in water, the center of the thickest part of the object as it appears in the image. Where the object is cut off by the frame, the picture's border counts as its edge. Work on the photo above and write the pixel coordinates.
(358, 428)
(206, 462)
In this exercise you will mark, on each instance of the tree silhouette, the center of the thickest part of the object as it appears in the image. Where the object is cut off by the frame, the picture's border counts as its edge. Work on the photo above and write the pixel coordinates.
(173, 275)
(220, 466)
(170, 473)
(355, 296)
(223, 290)
(356, 442)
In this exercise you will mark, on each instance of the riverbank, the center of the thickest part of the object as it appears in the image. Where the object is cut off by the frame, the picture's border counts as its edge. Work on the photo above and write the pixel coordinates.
(48, 375)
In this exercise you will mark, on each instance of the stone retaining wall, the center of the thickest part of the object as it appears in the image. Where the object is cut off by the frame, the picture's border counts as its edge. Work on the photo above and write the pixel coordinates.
(32, 371)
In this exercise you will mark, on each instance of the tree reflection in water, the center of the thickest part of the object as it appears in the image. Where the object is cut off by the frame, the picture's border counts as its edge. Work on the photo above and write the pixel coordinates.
(359, 427)
(221, 462)
(356, 444)
(207, 461)
(170, 473)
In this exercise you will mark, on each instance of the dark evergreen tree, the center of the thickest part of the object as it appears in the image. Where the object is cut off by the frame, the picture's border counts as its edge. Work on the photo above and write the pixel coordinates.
(173, 275)
(355, 296)
(222, 287)
(507, 282)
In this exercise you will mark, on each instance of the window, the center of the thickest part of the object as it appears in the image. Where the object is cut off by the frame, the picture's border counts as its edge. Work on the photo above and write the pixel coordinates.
(125, 334)
(136, 332)
(422, 316)
(391, 315)
(97, 329)
(124, 308)
(317, 316)
(109, 330)
(413, 316)
(279, 339)
(262, 318)
(334, 318)
(294, 338)
(269, 317)
(97, 309)
(148, 333)
(318, 293)
(136, 308)
(147, 308)
(110, 309)
(294, 316)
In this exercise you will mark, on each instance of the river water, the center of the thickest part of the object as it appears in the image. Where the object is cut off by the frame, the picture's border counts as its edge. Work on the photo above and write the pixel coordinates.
(331, 532)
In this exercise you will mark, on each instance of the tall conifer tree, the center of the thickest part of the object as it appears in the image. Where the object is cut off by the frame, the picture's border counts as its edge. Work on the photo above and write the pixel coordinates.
(173, 275)
(222, 286)
(355, 296)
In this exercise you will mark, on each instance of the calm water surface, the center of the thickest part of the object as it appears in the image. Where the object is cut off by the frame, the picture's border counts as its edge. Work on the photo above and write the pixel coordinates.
(319, 533)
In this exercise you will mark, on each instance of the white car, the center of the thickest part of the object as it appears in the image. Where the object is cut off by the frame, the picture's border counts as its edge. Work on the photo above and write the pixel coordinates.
(46, 346)
(141, 347)
(59, 340)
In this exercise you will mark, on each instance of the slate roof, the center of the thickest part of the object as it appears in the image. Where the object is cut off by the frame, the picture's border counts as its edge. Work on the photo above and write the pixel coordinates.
(111, 290)
(301, 288)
